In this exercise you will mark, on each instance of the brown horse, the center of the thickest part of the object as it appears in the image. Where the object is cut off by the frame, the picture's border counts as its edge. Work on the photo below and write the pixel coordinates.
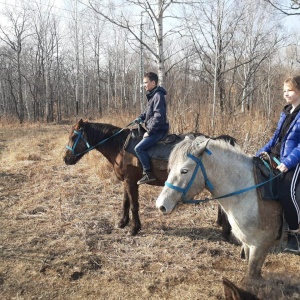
(85, 136)
(110, 140)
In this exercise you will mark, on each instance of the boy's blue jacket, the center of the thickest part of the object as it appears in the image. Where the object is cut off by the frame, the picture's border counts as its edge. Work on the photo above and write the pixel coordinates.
(155, 115)
(290, 148)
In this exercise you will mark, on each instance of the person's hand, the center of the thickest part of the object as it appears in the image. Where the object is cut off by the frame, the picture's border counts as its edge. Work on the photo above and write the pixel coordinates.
(282, 168)
(145, 134)
(138, 121)
(264, 155)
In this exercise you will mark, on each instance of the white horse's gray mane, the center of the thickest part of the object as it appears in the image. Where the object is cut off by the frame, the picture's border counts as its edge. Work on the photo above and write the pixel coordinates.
(191, 145)
(182, 148)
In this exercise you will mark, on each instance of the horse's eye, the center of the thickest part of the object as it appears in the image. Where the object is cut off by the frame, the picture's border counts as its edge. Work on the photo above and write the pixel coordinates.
(183, 171)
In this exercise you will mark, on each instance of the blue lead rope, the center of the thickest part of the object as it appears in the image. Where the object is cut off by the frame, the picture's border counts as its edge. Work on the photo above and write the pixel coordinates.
(192, 201)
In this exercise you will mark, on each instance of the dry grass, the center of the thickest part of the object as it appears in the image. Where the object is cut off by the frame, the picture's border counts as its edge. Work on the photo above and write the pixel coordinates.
(59, 238)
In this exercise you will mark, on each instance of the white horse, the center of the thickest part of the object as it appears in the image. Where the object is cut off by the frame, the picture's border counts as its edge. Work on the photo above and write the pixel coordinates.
(222, 169)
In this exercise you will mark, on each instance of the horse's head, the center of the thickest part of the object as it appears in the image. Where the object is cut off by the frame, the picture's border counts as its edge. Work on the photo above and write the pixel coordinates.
(77, 145)
(184, 180)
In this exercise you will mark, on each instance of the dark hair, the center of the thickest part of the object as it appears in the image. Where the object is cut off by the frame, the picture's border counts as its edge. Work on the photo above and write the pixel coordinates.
(294, 81)
(152, 77)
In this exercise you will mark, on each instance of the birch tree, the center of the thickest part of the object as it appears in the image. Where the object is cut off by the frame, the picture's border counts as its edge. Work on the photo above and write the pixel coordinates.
(212, 35)
(153, 37)
(96, 38)
(258, 44)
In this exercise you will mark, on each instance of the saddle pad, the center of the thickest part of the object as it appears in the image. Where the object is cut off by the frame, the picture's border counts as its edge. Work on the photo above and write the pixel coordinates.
(161, 150)
(262, 173)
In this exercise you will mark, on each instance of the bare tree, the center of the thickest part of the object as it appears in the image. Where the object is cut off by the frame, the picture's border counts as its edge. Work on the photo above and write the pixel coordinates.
(287, 7)
(153, 36)
(96, 43)
(45, 31)
(212, 35)
(14, 35)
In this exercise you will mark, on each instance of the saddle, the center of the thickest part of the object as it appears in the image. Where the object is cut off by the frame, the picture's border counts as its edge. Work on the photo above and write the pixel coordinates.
(263, 172)
(160, 151)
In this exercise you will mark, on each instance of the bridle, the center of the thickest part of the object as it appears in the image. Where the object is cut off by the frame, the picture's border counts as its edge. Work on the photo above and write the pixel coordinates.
(79, 134)
(185, 190)
(89, 148)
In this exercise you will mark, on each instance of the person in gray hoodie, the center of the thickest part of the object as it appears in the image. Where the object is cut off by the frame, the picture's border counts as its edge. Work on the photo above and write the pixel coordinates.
(156, 123)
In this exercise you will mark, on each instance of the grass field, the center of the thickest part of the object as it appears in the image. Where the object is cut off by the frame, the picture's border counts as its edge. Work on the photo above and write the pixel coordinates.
(59, 238)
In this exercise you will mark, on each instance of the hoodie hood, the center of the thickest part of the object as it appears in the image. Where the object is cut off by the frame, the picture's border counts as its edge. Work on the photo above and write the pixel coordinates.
(159, 89)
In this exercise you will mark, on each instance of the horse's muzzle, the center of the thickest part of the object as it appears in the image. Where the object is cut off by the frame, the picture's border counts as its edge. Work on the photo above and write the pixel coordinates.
(70, 159)
(163, 209)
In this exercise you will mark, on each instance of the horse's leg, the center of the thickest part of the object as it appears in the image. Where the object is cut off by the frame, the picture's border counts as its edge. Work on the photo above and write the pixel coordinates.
(219, 218)
(257, 256)
(126, 205)
(133, 195)
(222, 220)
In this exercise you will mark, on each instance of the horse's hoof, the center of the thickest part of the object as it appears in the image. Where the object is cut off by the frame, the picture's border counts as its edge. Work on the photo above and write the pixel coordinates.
(250, 280)
(122, 224)
(134, 231)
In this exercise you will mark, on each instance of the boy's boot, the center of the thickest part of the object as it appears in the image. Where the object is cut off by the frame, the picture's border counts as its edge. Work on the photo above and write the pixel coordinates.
(148, 176)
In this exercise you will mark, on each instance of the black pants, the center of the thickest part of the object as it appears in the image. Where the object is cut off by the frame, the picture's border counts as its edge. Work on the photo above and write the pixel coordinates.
(287, 185)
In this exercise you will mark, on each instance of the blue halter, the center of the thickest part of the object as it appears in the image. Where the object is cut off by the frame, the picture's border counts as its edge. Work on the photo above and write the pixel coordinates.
(89, 148)
(186, 189)
(79, 136)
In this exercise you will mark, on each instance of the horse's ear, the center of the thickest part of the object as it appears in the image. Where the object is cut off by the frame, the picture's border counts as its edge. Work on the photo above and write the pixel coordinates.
(79, 124)
(200, 144)
(232, 292)
(189, 136)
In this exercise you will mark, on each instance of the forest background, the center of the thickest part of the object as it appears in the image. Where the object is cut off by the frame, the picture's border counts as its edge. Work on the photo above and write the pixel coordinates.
(62, 59)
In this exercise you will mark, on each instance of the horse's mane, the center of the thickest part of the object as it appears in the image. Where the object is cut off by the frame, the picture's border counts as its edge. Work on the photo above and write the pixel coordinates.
(189, 145)
(97, 132)
(227, 138)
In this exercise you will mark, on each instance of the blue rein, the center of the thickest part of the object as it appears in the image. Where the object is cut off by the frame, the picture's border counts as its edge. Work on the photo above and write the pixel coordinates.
(200, 165)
